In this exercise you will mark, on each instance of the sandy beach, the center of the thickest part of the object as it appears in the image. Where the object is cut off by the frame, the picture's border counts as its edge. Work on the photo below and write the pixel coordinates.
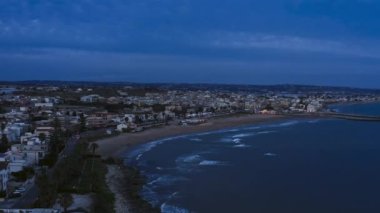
(118, 145)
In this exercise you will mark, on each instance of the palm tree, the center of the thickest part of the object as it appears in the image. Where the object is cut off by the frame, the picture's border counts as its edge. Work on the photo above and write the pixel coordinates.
(94, 146)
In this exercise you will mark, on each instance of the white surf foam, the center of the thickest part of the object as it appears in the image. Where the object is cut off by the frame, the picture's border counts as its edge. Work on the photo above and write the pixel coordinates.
(289, 123)
(167, 208)
(233, 130)
(196, 139)
(241, 146)
(189, 158)
(266, 132)
(269, 154)
(253, 128)
(211, 163)
(313, 121)
(166, 180)
(138, 153)
(188, 163)
(243, 135)
(149, 195)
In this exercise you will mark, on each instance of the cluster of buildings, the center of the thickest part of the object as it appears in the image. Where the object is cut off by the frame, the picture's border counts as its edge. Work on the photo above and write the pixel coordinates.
(27, 113)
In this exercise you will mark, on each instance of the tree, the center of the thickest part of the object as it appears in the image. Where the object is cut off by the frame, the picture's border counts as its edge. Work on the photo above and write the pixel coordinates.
(42, 136)
(56, 141)
(4, 143)
(47, 191)
(82, 122)
(65, 200)
(93, 148)
(3, 125)
(2, 110)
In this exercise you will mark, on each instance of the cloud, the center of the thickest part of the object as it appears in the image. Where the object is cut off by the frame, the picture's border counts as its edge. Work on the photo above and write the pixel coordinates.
(293, 43)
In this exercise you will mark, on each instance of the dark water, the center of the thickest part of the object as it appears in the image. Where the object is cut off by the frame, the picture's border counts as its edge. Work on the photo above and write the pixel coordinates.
(364, 109)
(290, 166)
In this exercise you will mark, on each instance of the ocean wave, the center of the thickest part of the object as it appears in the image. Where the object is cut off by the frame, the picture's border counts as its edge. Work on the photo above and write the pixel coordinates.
(227, 140)
(166, 180)
(138, 153)
(188, 163)
(266, 132)
(149, 195)
(289, 123)
(269, 154)
(156, 191)
(167, 208)
(211, 163)
(242, 135)
(313, 121)
(253, 128)
(241, 146)
(196, 139)
(193, 158)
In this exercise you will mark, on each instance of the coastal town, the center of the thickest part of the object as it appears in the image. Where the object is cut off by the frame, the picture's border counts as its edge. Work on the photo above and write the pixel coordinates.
(49, 157)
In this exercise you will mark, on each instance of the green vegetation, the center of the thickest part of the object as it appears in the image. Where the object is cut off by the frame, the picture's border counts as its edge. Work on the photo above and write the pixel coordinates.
(42, 137)
(3, 194)
(81, 172)
(4, 145)
(82, 123)
(24, 174)
(56, 144)
(65, 200)
(47, 191)
(2, 110)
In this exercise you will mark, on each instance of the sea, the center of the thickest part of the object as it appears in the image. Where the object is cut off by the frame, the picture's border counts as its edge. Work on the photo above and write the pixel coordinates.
(296, 165)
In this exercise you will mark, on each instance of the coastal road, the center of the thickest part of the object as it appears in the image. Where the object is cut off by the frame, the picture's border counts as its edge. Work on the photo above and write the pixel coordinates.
(31, 195)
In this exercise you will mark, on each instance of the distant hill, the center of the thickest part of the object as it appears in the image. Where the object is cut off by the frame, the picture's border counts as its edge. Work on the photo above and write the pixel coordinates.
(289, 88)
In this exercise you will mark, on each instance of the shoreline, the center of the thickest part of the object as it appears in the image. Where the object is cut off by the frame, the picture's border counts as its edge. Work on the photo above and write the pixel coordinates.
(125, 181)
(115, 147)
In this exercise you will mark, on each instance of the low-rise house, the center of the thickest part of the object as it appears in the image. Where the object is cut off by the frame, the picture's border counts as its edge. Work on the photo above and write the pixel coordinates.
(13, 131)
(122, 127)
(46, 130)
(44, 105)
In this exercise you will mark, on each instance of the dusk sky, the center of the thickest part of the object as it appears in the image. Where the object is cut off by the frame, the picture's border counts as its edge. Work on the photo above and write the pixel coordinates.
(322, 42)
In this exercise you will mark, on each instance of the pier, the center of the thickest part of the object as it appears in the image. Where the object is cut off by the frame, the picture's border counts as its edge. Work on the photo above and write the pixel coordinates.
(354, 117)
(344, 116)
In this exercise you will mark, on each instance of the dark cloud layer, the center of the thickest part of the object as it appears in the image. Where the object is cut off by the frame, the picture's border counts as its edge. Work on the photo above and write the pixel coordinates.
(259, 42)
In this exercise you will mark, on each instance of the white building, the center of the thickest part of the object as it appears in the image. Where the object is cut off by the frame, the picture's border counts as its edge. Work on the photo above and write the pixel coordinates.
(122, 127)
(44, 105)
(91, 98)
